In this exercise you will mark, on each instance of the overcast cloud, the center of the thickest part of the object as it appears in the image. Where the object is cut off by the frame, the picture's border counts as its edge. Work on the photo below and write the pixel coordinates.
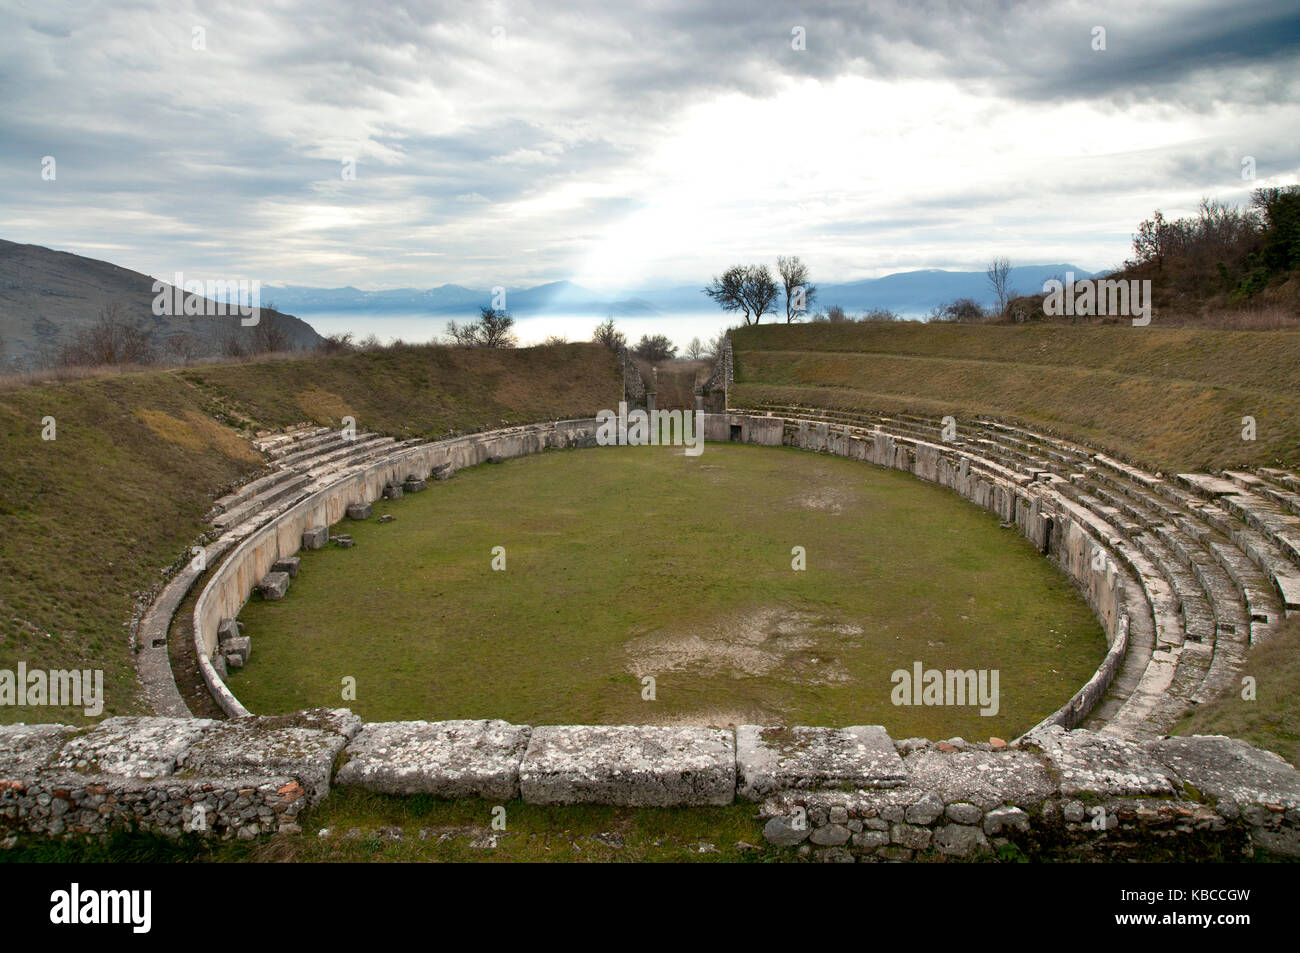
(622, 144)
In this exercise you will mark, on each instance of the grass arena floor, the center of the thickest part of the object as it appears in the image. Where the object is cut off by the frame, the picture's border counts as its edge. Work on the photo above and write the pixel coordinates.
(622, 563)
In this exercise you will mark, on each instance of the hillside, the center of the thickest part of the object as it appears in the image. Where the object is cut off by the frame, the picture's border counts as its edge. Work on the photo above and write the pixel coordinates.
(95, 515)
(1166, 398)
(46, 296)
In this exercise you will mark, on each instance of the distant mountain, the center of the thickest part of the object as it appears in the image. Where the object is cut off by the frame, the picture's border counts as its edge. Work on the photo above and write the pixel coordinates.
(46, 296)
(910, 293)
(919, 292)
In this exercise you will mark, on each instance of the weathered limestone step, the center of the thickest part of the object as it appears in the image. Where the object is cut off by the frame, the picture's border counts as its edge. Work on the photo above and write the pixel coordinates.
(132, 746)
(771, 758)
(987, 779)
(249, 511)
(303, 745)
(629, 765)
(447, 759)
(1098, 763)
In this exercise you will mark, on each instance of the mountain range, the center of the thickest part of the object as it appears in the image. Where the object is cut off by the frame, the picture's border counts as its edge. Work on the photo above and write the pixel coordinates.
(908, 293)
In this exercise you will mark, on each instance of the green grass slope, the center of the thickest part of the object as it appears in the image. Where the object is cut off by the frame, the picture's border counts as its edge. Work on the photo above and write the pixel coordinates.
(1171, 399)
(91, 518)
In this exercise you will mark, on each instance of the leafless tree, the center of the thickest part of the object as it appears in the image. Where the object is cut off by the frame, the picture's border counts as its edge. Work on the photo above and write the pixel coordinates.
(999, 277)
(492, 329)
(340, 343)
(655, 348)
(271, 332)
(748, 289)
(110, 340)
(695, 350)
(799, 292)
(183, 347)
(609, 336)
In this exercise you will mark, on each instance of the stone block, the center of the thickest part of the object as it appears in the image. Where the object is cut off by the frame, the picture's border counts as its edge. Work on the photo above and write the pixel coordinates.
(871, 839)
(446, 759)
(770, 759)
(629, 765)
(316, 537)
(392, 492)
(302, 746)
(287, 564)
(27, 749)
(1002, 819)
(132, 746)
(830, 835)
(910, 836)
(986, 779)
(227, 630)
(926, 810)
(274, 585)
(233, 660)
(964, 813)
(240, 647)
(1093, 763)
(782, 832)
(1228, 769)
(960, 840)
(414, 484)
(360, 511)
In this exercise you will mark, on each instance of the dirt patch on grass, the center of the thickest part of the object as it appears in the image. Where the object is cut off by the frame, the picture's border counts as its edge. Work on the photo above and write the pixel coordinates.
(829, 499)
(796, 647)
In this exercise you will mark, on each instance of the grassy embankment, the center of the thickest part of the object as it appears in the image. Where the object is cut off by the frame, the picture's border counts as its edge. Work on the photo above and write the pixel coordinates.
(1168, 399)
(93, 516)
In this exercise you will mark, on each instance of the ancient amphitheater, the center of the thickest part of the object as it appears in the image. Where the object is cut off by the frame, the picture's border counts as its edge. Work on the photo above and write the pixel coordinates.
(1184, 571)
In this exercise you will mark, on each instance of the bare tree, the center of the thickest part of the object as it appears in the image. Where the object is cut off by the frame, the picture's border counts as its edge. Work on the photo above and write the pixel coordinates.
(799, 292)
(110, 340)
(999, 276)
(835, 314)
(608, 335)
(339, 343)
(726, 290)
(183, 347)
(271, 333)
(655, 348)
(492, 329)
(695, 350)
(749, 289)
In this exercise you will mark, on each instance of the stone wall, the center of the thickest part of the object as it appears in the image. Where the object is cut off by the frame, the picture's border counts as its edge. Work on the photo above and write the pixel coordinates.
(1014, 497)
(851, 793)
(233, 581)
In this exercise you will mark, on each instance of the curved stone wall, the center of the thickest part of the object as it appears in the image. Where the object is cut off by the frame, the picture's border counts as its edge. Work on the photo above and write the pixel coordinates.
(234, 580)
(851, 793)
(1015, 499)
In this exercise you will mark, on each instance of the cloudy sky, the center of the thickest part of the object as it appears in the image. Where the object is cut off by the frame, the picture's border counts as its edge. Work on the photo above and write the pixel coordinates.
(622, 144)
